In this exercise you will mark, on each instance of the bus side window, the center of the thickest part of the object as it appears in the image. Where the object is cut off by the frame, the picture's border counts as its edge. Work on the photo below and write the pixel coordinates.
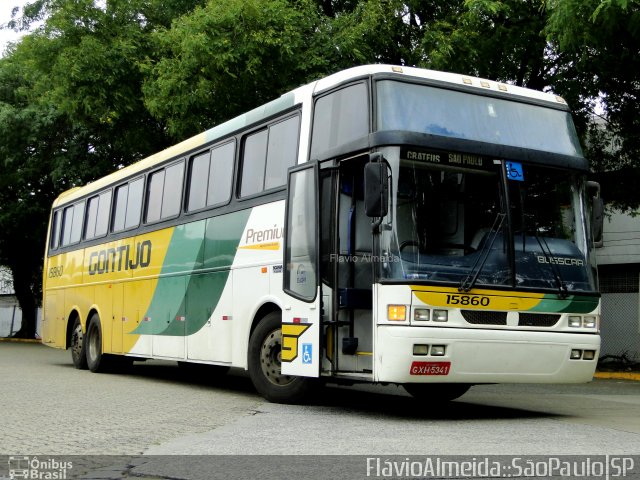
(268, 154)
(164, 192)
(281, 151)
(221, 174)
(72, 221)
(340, 117)
(253, 161)
(211, 177)
(97, 217)
(128, 205)
(55, 231)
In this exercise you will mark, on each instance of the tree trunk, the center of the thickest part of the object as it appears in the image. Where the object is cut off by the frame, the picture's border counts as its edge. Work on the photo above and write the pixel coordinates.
(22, 285)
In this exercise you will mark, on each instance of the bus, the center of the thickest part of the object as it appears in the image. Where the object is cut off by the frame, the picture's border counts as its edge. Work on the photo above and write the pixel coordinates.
(384, 224)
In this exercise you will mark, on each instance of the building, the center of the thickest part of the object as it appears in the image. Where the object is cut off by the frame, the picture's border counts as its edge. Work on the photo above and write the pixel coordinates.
(10, 312)
(619, 274)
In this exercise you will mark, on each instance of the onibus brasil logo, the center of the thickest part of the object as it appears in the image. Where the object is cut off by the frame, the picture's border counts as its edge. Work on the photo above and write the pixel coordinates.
(35, 468)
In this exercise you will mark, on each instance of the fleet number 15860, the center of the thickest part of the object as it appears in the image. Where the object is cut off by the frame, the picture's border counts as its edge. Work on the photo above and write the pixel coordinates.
(468, 300)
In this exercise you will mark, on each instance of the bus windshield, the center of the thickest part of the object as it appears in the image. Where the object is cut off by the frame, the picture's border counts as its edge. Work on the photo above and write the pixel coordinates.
(461, 226)
(450, 113)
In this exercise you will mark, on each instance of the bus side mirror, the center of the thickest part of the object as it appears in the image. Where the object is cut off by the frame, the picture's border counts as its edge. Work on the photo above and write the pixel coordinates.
(376, 188)
(597, 214)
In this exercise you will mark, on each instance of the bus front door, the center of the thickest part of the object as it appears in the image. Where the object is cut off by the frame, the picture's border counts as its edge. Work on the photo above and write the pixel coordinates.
(301, 307)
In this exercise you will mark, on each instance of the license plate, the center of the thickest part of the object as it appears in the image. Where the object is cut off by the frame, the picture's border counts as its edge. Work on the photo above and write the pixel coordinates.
(430, 368)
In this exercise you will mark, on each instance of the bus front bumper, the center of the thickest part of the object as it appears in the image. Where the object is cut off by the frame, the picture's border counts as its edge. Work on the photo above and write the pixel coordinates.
(483, 356)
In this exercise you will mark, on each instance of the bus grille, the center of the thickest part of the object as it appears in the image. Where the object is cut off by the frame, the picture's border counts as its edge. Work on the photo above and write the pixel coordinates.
(538, 319)
(476, 317)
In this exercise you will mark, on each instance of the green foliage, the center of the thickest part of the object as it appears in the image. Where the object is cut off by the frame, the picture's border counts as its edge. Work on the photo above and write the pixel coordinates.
(227, 57)
(602, 38)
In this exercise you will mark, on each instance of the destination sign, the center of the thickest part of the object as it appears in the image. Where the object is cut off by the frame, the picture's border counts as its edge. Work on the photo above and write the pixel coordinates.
(446, 159)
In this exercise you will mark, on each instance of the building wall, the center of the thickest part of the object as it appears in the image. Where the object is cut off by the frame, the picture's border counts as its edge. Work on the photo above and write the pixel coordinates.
(619, 275)
(11, 316)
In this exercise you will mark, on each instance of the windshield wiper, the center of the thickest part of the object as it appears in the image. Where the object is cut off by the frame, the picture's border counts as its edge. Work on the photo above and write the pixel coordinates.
(469, 281)
(562, 288)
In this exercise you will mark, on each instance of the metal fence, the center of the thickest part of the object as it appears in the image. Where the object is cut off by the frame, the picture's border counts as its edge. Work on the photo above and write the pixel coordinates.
(620, 326)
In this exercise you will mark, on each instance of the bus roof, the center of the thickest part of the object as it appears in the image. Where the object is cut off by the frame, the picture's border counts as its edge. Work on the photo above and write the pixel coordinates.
(288, 100)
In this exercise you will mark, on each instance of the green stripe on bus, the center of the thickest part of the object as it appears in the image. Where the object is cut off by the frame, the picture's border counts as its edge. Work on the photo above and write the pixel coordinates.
(572, 304)
(182, 304)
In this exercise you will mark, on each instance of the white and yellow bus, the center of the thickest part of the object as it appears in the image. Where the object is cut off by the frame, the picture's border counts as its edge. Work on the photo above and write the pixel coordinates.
(384, 224)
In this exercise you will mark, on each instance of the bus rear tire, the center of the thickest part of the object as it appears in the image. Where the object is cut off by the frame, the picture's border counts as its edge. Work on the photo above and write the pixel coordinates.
(77, 346)
(265, 346)
(436, 392)
(96, 360)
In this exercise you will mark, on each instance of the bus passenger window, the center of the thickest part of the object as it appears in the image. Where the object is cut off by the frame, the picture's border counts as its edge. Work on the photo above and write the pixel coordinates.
(268, 154)
(55, 230)
(253, 160)
(154, 196)
(198, 182)
(102, 219)
(72, 224)
(281, 151)
(128, 205)
(172, 190)
(339, 118)
(221, 174)
(164, 192)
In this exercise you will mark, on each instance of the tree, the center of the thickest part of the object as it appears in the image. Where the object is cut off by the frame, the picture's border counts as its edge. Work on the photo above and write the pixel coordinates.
(227, 57)
(602, 38)
(71, 110)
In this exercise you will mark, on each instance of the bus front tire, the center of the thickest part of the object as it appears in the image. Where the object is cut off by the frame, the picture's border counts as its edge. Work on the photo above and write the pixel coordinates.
(436, 392)
(77, 346)
(265, 347)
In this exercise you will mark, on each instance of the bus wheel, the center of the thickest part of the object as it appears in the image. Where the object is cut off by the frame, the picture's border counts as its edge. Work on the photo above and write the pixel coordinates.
(265, 346)
(96, 361)
(436, 392)
(77, 346)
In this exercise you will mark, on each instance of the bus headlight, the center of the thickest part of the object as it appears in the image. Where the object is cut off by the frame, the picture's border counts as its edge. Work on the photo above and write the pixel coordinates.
(575, 321)
(421, 314)
(440, 315)
(438, 350)
(590, 321)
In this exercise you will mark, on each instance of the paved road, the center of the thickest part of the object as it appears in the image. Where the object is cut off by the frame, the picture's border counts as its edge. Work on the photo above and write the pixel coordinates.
(49, 408)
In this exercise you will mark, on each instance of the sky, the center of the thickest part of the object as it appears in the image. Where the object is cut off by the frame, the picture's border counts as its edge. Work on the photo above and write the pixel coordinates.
(5, 15)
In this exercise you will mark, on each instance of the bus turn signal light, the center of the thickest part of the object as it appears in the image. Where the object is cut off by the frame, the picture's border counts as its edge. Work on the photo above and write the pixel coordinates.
(397, 313)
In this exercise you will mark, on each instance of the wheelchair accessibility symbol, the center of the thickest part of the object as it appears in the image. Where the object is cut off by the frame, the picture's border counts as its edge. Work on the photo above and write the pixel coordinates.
(307, 353)
(514, 171)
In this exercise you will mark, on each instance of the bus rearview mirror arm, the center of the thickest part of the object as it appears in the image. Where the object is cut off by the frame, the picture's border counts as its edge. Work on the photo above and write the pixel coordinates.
(597, 214)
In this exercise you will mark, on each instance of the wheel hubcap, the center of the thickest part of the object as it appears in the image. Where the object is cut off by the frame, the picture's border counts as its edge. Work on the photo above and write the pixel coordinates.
(93, 347)
(76, 341)
(271, 359)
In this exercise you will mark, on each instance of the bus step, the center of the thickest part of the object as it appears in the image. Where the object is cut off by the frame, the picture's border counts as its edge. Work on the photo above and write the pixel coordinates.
(349, 345)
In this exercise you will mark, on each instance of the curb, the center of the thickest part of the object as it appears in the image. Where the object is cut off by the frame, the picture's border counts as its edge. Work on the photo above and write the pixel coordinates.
(619, 375)
(20, 340)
